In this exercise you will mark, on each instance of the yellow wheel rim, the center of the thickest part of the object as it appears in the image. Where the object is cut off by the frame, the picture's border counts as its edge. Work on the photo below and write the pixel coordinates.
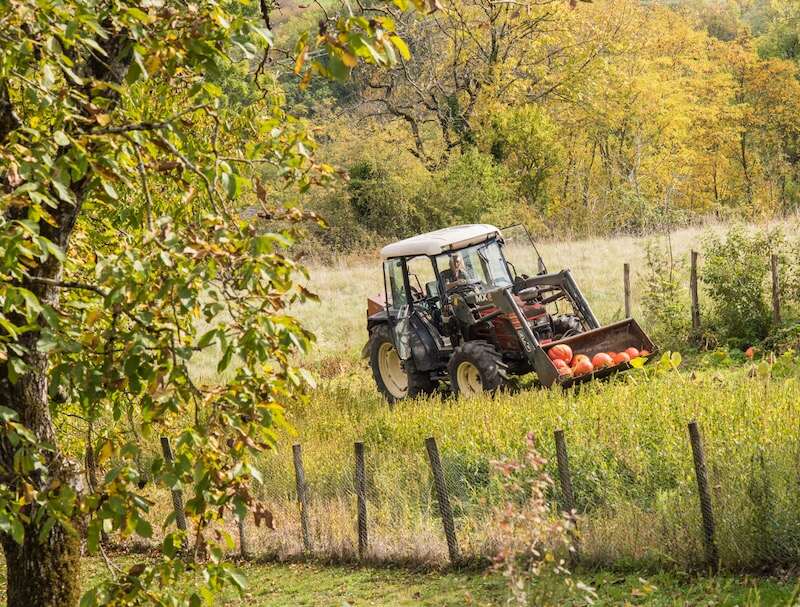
(392, 374)
(469, 379)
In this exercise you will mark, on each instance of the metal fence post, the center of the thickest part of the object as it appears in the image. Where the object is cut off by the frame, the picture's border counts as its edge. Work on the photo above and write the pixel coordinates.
(361, 495)
(177, 494)
(302, 495)
(443, 498)
(706, 510)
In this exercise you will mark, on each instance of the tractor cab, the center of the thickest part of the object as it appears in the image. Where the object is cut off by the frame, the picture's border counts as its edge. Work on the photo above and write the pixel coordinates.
(456, 311)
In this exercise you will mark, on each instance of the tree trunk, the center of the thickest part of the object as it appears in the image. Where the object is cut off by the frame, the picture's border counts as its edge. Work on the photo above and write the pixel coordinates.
(43, 574)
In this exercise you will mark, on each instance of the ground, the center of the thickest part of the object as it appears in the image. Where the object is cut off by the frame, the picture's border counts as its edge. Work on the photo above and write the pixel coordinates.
(321, 586)
(307, 584)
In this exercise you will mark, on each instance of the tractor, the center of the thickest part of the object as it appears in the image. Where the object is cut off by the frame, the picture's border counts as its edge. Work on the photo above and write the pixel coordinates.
(456, 312)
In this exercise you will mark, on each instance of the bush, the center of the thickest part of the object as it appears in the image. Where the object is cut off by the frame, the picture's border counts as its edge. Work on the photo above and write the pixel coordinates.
(736, 272)
(665, 310)
(472, 189)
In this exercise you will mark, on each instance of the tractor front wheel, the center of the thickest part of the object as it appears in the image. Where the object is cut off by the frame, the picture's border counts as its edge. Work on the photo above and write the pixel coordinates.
(476, 367)
(391, 377)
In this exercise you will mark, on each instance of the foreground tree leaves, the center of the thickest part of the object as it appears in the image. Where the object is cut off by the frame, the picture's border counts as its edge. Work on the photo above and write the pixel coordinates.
(139, 143)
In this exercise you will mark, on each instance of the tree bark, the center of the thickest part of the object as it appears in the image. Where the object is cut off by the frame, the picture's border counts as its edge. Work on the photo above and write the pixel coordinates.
(43, 574)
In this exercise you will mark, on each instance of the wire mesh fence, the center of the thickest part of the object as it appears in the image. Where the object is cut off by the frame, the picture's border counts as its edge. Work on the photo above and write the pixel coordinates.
(627, 515)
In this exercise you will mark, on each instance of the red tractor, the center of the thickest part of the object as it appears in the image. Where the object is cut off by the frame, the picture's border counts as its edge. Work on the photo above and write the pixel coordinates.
(456, 311)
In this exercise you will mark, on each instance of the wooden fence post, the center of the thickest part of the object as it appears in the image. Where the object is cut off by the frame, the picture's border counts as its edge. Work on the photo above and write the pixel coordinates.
(443, 499)
(361, 495)
(695, 294)
(776, 291)
(302, 495)
(565, 480)
(707, 512)
(177, 494)
(626, 279)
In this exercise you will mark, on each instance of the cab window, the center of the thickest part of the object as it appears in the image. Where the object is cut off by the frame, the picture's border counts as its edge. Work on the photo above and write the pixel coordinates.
(395, 286)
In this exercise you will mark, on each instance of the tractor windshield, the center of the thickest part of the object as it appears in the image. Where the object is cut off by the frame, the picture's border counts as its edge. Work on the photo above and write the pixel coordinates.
(483, 263)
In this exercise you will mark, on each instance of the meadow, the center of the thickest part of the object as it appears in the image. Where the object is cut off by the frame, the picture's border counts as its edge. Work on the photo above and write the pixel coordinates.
(628, 443)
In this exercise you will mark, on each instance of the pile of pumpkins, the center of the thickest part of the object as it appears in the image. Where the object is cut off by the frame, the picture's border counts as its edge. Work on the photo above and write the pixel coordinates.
(570, 365)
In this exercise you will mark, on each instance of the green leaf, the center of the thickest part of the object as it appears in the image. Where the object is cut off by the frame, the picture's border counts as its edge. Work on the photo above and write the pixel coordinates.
(60, 137)
(17, 531)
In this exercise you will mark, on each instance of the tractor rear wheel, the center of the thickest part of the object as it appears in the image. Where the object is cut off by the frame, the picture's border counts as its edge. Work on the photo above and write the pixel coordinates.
(476, 367)
(393, 380)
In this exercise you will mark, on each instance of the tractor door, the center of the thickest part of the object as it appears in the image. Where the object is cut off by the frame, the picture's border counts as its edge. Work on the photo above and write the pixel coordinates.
(398, 307)
(413, 309)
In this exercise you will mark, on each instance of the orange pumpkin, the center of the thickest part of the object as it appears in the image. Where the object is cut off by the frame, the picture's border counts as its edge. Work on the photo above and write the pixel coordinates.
(601, 360)
(621, 358)
(560, 352)
(564, 371)
(582, 366)
(632, 352)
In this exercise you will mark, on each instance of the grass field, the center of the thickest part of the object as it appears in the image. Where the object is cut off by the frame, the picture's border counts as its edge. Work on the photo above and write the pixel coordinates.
(308, 584)
(628, 442)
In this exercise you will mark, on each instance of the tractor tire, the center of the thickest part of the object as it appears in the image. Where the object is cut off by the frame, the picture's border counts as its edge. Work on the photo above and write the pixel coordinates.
(475, 368)
(393, 380)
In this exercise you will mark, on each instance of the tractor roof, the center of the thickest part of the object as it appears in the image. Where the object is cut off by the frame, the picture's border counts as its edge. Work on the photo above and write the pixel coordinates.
(446, 239)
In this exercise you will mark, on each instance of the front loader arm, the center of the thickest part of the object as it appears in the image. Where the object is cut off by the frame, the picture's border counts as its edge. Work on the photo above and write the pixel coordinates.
(564, 281)
(541, 363)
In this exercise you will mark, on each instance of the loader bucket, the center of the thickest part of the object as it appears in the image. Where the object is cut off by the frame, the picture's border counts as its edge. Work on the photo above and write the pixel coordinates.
(615, 337)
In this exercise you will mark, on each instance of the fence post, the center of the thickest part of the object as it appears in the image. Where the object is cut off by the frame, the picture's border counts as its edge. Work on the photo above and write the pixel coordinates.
(626, 276)
(694, 294)
(776, 291)
(177, 494)
(361, 495)
(565, 479)
(302, 495)
(443, 499)
(707, 512)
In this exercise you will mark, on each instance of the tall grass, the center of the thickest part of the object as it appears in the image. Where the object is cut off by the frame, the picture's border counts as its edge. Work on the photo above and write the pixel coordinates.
(629, 453)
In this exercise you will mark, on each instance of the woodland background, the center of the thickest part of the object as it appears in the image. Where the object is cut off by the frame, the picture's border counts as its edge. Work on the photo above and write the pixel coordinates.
(587, 119)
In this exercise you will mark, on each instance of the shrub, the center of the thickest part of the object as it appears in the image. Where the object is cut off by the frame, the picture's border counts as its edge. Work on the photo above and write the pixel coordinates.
(735, 273)
(663, 299)
(469, 190)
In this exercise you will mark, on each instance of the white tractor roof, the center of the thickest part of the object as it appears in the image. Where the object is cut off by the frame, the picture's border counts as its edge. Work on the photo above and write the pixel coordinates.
(446, 239)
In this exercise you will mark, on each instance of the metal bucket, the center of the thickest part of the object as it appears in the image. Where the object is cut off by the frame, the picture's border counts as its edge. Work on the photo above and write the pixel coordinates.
(615, 337)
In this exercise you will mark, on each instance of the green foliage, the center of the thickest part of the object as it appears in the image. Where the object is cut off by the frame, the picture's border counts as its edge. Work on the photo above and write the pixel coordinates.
(735, 274)
(472, 189)
(663, 299)
(131, 139)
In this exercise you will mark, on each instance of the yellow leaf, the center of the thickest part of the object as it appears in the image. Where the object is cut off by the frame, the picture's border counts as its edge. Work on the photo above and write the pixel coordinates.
(103, 119)
(301, 59)
(105, 451)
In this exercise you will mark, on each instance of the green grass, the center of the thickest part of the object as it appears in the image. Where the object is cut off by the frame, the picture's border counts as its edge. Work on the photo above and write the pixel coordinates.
(282, 585)
(310, 584)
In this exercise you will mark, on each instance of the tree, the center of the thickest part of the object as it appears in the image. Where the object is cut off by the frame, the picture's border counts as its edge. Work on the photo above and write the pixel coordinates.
(127, 153)
(471, 49)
